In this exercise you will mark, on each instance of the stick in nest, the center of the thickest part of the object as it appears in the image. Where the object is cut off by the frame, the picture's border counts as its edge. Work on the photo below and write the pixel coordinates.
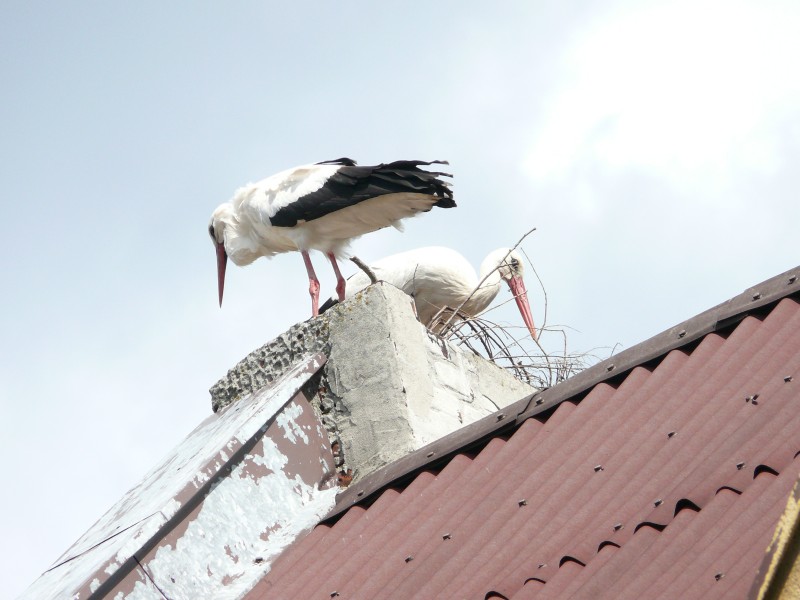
(497, 344)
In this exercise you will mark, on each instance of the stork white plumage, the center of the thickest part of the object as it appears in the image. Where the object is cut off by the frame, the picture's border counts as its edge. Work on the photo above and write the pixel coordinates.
(321, 206)
(438, 277)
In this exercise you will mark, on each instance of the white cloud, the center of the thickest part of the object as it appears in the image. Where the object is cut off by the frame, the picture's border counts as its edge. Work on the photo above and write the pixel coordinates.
(690, 91)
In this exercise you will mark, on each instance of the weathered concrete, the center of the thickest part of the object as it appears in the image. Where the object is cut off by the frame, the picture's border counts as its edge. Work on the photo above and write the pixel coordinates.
(389, 386)
(272, 360)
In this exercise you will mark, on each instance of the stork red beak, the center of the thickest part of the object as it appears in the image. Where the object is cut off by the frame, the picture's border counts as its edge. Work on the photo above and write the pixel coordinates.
(521, 296)
(222, 262)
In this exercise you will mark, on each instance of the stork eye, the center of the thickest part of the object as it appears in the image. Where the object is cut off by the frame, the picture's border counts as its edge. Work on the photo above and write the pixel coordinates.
(211, 232)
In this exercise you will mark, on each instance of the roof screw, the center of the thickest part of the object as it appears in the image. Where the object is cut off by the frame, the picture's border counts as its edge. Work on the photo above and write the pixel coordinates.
(500, 417)
(740, 466)
(681, 333)
(792, 279)
(446, 536)
(658, 502)
(522, 502)
(359, 494)
(539, 400)
(787, 379)
(617, 526)
(409, 558)
(598, 468)
(756, 296)
(719, 576)
(429, 454)
(610, 368)
(671, 434)
(334, 594)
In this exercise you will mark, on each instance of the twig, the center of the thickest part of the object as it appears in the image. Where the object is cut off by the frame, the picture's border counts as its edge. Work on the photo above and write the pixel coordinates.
(539, 368)
(541, 285)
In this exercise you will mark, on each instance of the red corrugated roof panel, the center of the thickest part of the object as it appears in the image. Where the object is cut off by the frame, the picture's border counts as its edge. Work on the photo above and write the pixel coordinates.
(665, 481)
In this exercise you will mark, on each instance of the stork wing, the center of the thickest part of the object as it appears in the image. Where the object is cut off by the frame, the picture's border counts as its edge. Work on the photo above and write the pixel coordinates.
(348, 185)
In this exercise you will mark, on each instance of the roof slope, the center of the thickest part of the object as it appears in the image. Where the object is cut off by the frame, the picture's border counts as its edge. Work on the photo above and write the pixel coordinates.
(207, 521)
(666, 480)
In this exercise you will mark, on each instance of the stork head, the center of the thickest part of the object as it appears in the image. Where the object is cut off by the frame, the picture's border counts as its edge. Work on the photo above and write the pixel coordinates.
(216, 229)
(511, 268)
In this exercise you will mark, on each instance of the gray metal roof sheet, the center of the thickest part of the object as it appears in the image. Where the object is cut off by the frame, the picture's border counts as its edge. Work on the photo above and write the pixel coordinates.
(209, 519)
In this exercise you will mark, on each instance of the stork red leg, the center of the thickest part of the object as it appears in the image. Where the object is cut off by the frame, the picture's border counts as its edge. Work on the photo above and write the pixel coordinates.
(340, 283)
(313, 284)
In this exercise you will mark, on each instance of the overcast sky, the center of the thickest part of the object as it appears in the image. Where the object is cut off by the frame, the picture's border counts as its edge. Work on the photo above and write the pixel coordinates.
(654, 146)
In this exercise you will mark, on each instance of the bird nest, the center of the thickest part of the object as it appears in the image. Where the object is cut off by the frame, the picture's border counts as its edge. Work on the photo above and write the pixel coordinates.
(511, 348)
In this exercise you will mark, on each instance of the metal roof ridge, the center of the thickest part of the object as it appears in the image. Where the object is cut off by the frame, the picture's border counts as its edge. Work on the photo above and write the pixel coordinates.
(719, 317)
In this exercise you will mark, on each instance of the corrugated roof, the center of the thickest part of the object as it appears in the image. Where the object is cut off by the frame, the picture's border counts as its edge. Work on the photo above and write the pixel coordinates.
(663, 476)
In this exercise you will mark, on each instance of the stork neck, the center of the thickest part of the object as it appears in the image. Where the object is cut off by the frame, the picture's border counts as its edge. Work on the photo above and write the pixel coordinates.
(484, 295)
(239, 245)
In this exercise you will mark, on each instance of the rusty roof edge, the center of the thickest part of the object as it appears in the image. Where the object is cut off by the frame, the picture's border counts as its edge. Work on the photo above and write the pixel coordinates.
(714, 319)
(723, 315)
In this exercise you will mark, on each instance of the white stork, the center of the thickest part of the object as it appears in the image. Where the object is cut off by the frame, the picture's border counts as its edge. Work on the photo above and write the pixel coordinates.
(438, 278)
(321, 207)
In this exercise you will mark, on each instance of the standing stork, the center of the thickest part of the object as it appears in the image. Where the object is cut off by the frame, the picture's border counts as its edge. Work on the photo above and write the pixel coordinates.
(322, 207)
(440, 279)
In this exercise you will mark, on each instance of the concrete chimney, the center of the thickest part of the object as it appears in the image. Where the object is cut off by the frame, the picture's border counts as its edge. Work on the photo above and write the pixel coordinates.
(389, 386)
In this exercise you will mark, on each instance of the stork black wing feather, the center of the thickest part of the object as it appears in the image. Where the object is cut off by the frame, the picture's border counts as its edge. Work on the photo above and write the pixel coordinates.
(349, 162)
(352, 184)
(328, 304)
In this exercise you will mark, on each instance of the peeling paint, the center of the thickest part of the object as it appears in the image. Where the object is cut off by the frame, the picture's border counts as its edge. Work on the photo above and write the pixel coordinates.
(286, 420)
(170, 508)
(286, 506)
(142, 513)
